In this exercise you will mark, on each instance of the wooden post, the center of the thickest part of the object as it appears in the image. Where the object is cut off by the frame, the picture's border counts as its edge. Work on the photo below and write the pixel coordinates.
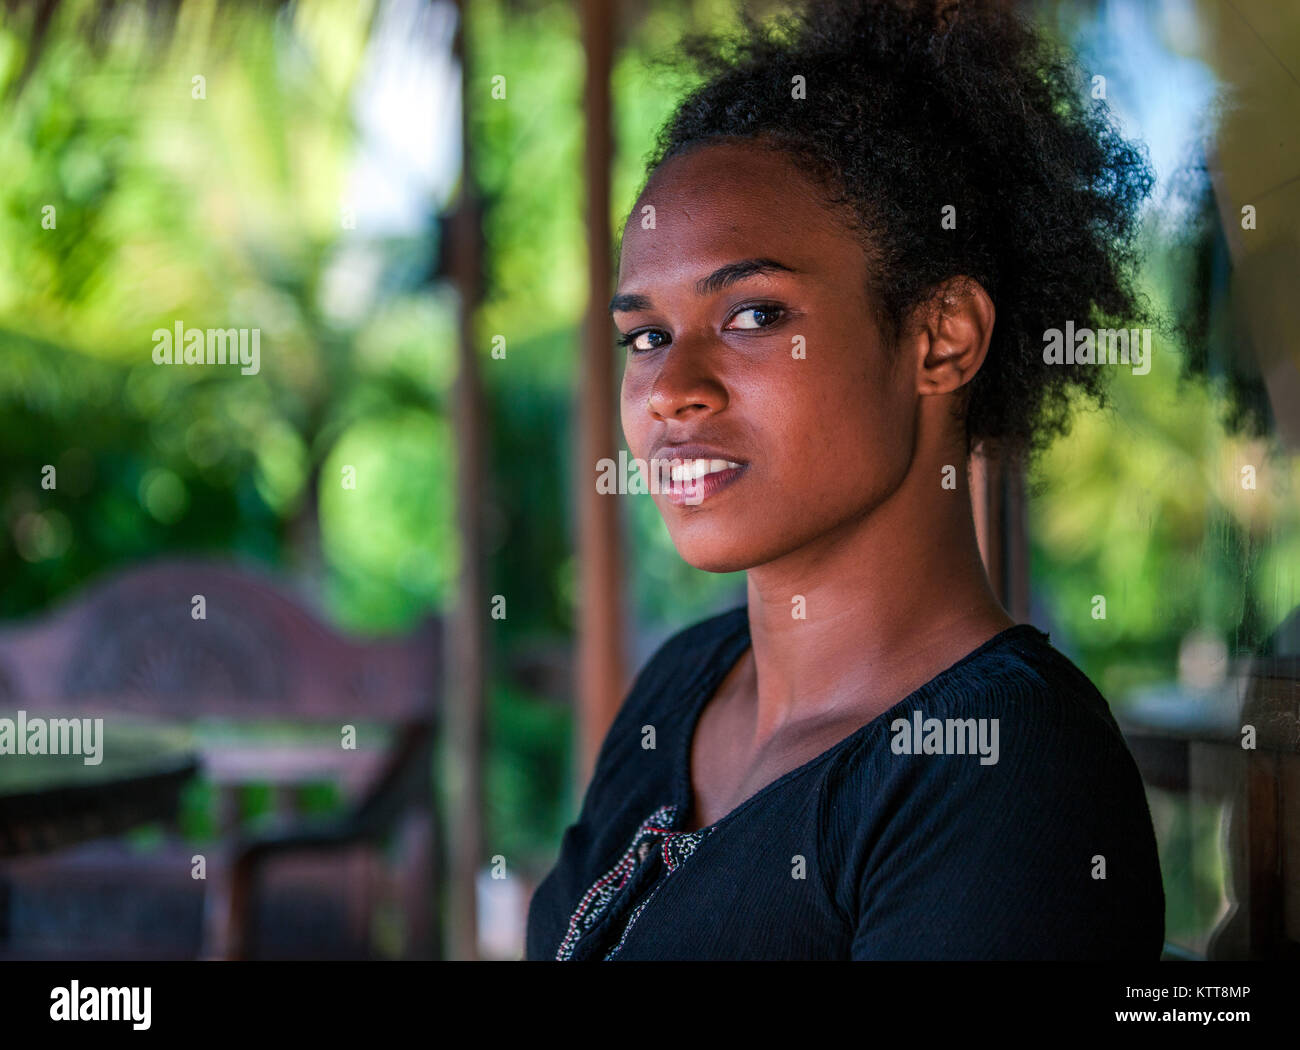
(462, 755)
(600, 662)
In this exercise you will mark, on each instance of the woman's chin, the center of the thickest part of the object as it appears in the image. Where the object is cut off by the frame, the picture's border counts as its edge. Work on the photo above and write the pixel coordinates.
(720, 554)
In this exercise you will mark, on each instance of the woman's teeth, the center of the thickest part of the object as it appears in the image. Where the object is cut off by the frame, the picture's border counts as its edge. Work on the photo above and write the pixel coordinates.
(692, 469)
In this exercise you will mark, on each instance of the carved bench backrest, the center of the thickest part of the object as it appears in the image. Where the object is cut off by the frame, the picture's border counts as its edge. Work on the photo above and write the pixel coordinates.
(181, 638)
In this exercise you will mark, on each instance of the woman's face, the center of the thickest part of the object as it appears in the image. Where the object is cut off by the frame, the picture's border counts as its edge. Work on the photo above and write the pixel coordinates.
(754, 348)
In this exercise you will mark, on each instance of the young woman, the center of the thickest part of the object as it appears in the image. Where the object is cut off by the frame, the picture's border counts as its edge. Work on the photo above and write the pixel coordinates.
(835, 284)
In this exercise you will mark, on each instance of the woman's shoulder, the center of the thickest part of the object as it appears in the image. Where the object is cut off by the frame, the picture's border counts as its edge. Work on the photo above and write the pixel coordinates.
(1005, 788)
(1017, 722)
(1021, 674)
(1017, 725)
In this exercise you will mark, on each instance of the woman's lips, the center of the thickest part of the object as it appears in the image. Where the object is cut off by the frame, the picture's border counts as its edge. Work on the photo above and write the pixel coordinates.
(692, 481)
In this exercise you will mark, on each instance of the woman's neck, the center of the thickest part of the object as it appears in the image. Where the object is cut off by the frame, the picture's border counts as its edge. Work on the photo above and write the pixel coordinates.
(867, 613)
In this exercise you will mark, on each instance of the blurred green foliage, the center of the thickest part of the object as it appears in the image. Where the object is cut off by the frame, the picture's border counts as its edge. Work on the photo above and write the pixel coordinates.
(1145, 504)
(217, 211)
(530, 751)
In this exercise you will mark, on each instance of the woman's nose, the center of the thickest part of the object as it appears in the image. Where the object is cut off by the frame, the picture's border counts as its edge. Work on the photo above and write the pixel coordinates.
(685, 386)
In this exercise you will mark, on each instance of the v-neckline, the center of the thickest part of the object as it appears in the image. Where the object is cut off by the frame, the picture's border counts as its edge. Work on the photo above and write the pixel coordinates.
(729, 651)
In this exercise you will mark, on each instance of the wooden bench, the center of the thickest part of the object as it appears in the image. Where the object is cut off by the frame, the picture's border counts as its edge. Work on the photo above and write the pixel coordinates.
(1260, 788)
(135, 646)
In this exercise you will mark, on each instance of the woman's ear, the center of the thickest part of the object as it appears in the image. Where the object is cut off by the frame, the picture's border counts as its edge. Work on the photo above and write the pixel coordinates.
(952, 333)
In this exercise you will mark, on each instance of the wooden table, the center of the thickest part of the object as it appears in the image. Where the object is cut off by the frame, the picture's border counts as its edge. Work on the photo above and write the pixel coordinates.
(51, 801)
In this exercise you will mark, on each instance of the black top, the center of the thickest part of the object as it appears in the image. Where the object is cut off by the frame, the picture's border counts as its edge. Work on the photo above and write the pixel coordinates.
(995, 813)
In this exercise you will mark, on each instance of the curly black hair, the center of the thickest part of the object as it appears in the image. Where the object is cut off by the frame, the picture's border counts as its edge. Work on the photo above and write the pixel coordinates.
(912, 106)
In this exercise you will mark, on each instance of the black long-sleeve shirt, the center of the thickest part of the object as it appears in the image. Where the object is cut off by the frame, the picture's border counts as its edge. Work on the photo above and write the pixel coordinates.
(1034, 843)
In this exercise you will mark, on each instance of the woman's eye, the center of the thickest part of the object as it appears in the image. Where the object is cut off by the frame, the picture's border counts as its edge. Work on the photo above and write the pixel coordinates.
(755, 317)
(650, 339)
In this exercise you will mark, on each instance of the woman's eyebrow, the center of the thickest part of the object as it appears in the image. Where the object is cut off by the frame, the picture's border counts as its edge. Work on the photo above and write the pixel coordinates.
(727, 275)
(721, 278)
(626, 301)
